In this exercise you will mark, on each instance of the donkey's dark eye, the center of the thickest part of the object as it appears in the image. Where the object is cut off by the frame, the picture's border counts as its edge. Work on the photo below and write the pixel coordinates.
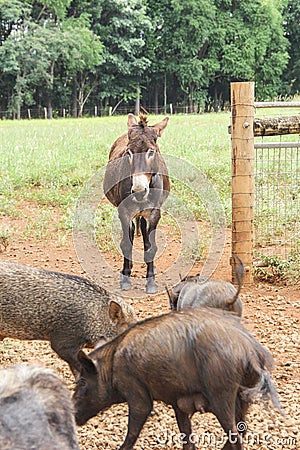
(129, 154)
(150, 154)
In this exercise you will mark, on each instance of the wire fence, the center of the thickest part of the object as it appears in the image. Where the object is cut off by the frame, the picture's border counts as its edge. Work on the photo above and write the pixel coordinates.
(277, 198)
(97, 111)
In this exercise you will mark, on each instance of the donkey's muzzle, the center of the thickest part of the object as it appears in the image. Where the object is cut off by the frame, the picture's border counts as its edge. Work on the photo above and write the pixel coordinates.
(140, 187)
(140, 196)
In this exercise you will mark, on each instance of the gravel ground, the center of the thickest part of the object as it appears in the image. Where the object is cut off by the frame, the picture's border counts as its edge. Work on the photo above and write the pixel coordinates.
(271, 313)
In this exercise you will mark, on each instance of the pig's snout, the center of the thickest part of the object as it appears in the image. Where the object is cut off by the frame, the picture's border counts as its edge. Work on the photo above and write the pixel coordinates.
(79, 419)
(85, 407)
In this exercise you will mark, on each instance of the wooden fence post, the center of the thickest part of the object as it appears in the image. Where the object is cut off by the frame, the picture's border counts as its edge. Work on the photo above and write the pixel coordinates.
(242, 138)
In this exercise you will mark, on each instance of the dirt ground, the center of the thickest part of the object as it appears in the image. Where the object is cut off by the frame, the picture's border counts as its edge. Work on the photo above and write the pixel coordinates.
(271, 312)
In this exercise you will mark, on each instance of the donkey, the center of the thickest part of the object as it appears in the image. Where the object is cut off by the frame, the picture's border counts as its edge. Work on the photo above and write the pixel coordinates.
(136, 181)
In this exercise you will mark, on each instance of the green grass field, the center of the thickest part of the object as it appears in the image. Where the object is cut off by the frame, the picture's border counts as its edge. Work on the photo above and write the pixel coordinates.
(50, 161)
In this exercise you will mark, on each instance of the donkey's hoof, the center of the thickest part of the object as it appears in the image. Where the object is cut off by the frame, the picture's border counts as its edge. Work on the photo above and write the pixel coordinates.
(151, 286)
(125, 283)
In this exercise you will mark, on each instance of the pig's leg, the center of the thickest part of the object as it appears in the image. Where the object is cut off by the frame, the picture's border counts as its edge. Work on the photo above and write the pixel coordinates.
(224, 409)
(185, 427)
(241, 408)
(139, 410)
(235, 441)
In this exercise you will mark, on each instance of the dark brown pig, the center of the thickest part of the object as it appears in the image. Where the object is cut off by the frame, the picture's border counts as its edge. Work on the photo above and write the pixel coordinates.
(195, 291)
(195, 360)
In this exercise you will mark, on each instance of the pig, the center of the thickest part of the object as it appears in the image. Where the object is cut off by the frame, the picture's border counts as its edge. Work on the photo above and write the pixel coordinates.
(69, 311)
(36, 410)
(198, 359)
(194, 291)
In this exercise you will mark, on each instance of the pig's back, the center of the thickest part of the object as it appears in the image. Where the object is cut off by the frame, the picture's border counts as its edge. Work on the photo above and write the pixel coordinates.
(34, 302)
(175, 353)
(212, 293)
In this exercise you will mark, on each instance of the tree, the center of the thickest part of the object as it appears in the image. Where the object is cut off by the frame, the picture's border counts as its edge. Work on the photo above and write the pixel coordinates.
(291, 78)
(43, 43)
(248, 45)
(80, 54)
(24, 57)
(183, 29)
(193, 30)
(63, 53)
(122, 27)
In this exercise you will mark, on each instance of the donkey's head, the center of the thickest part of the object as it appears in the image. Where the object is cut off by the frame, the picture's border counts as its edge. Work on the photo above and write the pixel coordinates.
(143, 153)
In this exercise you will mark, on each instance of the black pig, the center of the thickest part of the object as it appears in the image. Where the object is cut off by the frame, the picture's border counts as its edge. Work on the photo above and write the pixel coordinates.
(195, 360)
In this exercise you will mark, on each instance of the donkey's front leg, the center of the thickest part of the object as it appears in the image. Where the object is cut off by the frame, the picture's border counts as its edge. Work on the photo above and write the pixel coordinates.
(148, 229)
(126, 247)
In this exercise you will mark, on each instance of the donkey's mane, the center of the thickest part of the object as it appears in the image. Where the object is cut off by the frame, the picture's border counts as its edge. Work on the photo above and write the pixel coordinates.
(143, 122)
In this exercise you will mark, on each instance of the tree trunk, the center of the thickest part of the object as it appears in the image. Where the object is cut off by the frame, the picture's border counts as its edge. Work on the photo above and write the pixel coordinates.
(18, 111)
(49, 92)
(155, 98)
(80, 101)
(80, 112)
(18, 98)
(191, 100)
(216, 101)
(49, 108)
(74, 97)
(165, 94)
(137, 101)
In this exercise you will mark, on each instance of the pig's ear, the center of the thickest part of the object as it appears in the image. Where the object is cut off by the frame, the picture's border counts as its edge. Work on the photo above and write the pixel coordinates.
(115, 312)
(86, 362)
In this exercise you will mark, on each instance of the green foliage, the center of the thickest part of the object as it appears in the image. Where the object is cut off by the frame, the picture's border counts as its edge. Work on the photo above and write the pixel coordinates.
(38, 227)
(274, 269)
(41, 46)
(291, 16)
(122, 27)
(249, 44)
(59, 7)
(70, 54)
(5, 237)
(106, 227)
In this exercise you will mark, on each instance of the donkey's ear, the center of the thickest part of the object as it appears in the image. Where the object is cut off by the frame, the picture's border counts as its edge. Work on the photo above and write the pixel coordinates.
(131, 120)
(160, 126)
